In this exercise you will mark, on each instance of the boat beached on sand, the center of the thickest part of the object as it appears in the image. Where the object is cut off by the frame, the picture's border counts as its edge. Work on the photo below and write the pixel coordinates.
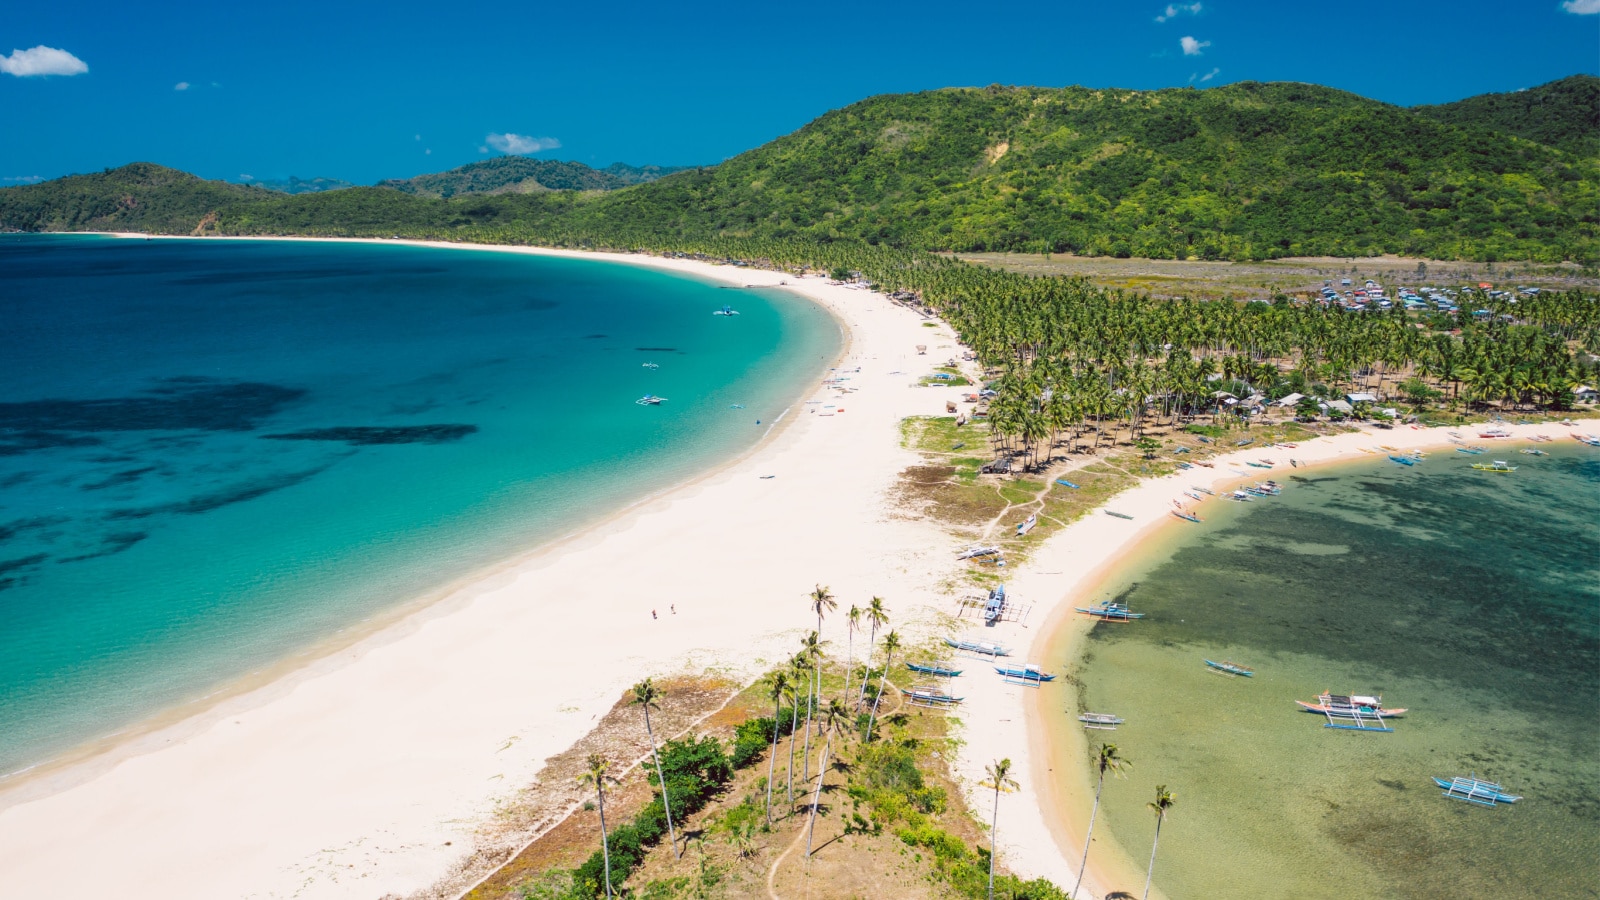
(981, 648)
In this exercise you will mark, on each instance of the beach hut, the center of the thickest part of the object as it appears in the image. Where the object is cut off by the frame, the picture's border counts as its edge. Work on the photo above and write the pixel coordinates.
(1290, 401)
(1353, 399)
(1340, 405)
(1585, 394)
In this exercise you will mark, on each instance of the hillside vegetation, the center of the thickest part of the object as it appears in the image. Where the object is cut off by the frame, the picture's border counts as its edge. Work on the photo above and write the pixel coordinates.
(1563, 114)
(1245, 171)
(522, 175)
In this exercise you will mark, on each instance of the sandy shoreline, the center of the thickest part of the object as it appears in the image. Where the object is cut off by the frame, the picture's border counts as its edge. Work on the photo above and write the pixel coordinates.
(1045, 822)
(365, 767)
(367, 771)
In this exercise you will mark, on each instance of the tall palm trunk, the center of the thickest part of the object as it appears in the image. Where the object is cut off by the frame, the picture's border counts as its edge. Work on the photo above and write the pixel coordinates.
(1089, 835)
(605, 844)
(772, 761)
(816, 797)
(794, 722)
(1150, 873)
(888, 660)
(867, 666)
(662, 777)
(994, 832)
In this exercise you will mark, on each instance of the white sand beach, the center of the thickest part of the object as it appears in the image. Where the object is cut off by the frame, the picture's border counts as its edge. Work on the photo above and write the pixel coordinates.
(365, 771)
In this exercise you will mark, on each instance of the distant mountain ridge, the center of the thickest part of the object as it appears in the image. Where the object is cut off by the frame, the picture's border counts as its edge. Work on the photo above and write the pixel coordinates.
(523, 175)
(294, 185)
(1242, 171)
(1563, 114)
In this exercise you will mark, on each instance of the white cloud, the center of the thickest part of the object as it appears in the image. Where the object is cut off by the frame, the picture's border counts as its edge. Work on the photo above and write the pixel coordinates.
(1582, 7)
(42, 60)
(483, 149)
(23, 179)
(519, 144)
(181, 86)
(1175, 10)
(1210, 75)
(244, 177)
(428, 152)
(1192, 47)
(417, 137)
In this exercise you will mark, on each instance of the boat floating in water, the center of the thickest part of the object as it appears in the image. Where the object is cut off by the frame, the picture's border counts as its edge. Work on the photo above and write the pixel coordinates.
(1352, 712)
(1531, 451)
(1402, 460)
(1186, 515)
(981, 648)
(1231, 668)
(1110, 611)
(1027, 673)
(1498, 465)
(1475, 451)
(1473, 790)
(649, 400)
(652, 365)
(726, 311)
(1101, 721)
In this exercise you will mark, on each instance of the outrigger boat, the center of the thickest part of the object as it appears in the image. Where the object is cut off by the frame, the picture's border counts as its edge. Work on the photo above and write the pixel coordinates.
(919, 697)
(1110, 611)
(1118, 515)
(940, 671)
(1027, 673)
(1530, 451)
(1186, 516)
(1065, 483)
(995, 606)
(649, 400)
(976, 551)
(726, 311)
(1589, 439)
(1475, 451)
(1202, 490)
(651, 365)
(1259, 465)
(981, 648)
(1184, 465)
(1238, 495)
(1027, 524)
(1352, 712)
(1498, 465)
(1402, 460)
(1473, 790)
(1193, 496)
(1101, 721)
(1231, 668)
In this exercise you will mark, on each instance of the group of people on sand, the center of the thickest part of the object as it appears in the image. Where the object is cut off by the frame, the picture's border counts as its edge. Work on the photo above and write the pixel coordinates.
(673, 607)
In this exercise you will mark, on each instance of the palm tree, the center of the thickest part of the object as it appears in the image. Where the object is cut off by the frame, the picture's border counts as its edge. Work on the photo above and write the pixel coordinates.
(822, 602)
(1163, 802)
(646, 695)
(891, 643)
(811, 649)
(833, 719)
(797, 672)
(852, 621)
(1107, 761)
(780, 683)
(999, 779)
(878, 615)
(595, 774)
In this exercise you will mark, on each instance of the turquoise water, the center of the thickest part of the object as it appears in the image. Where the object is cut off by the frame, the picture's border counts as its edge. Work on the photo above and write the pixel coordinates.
(1471, 598)
(214, 454)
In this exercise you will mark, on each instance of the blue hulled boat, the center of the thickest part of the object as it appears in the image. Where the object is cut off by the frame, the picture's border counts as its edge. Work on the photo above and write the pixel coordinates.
(1111, 611)
(1472, 790)
(941, 671)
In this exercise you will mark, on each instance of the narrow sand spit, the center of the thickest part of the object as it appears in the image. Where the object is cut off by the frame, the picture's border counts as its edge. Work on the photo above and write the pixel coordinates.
(368, 766)
(1042, 826)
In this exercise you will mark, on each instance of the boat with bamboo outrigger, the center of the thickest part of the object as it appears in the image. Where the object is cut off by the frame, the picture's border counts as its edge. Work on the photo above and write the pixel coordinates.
(649, 400)
(1110, 611)
(1101, 721)
(1352, 712)
(1187, 516)
(978, 648)
(1474, 790)
(1230, 668)
(1026, 674)
(931, 699)
(1498, 465)
(933, 669)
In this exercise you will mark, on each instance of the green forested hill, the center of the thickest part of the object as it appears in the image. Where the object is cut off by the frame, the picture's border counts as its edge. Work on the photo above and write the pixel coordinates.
(1246, 170)
(1237, 172)
(521, 175)
(140, 197)
(1563, 114)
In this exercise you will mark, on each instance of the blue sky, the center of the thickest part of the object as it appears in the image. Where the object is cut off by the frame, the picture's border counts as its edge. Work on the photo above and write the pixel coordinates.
(363, 91)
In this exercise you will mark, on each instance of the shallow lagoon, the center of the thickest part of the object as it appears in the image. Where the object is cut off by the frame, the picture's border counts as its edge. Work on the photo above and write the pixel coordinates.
(1471, 598)
(217, 454)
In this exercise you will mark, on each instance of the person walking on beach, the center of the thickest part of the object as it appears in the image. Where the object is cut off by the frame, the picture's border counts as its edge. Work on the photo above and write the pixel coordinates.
(652, 614)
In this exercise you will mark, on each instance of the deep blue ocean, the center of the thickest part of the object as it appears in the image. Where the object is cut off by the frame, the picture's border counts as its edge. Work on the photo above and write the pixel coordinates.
(214, 455)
